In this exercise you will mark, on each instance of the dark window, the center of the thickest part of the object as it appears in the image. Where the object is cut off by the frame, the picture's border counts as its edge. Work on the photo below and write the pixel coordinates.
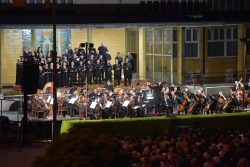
(224, 45)
(191, 42)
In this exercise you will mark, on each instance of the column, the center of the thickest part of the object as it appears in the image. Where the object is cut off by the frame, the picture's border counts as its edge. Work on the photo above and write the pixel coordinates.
(89, 35)
(141, 53)
(179, 55)
(58, 45)
(33, 39)
(241, 50)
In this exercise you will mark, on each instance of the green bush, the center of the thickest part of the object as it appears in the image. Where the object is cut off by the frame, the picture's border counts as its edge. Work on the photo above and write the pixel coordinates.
(78, 149)
(157, 125)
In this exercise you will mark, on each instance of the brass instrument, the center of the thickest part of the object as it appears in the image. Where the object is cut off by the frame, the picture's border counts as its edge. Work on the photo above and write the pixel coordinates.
(46, 86)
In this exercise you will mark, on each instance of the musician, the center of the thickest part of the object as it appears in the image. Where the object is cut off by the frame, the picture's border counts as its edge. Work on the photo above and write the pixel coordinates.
(46, 73)
(167, 103)
(81, 70)
(239, 85)
(90, 70)
(59, 75)
(107, 57)
(70, 50)
(102, 50)
(92, 49)
(109, 86)
(72, 72)
(72, 109)
(108, 71)
(39, 53)
(98, 71)
(19, 69)
(117, 72)
(41, 104)
(41, 78)
(220, 101)
(65, 76)
(157, 94)
(127, 69)
(130, 59)
(119, 58)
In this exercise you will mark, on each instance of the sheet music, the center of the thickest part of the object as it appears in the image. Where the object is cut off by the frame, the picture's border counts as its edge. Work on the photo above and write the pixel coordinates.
(51, 101)
(109, 103)
(93, 104)
(48, 100)
(72, 100)
(126, 103)
(135, 107)
(150, 98)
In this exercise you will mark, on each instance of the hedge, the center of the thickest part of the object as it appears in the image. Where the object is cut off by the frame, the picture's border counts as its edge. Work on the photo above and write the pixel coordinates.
(156, 125)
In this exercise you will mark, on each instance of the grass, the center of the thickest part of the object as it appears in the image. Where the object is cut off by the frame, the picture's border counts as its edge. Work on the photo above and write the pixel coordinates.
(149, 125)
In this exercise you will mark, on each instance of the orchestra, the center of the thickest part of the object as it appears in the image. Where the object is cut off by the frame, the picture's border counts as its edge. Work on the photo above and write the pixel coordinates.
(75, 68)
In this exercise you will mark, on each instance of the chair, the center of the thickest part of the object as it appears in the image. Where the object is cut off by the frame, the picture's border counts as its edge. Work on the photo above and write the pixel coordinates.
(60, 109)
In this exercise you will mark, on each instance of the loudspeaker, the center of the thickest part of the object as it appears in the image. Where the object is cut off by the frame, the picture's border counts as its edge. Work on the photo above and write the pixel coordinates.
(4, 125)
(30, 77)
(82, 45)
(91, 45)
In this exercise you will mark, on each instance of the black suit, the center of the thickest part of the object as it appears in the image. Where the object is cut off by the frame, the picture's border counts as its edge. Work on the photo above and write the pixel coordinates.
(117, 73)
(127, 68)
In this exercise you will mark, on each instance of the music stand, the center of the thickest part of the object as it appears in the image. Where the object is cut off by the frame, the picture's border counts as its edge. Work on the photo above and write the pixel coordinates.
(93, 105)
(108, 105)
(126, 103)
(72, 101)
(48, 100)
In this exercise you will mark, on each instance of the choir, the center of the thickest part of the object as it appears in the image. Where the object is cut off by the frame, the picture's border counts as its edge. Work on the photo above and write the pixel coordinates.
(78, 66)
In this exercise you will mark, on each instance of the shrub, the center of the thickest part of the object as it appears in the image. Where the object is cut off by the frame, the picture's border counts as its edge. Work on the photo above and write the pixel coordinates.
(77, 149)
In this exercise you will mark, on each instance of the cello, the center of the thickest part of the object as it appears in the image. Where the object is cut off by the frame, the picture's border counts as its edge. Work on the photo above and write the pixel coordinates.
(184, 103)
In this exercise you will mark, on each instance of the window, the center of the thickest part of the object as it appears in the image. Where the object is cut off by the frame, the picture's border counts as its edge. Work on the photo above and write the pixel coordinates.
(132, 36)
(191, 42)
(63, 1)
(26, 38)
(35, 1)
(222, 42)
(6, 1)
(160, 41)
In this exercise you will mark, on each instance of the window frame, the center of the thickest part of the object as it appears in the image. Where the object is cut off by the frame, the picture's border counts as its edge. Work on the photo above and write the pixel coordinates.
(224, 40)
(192, 41)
